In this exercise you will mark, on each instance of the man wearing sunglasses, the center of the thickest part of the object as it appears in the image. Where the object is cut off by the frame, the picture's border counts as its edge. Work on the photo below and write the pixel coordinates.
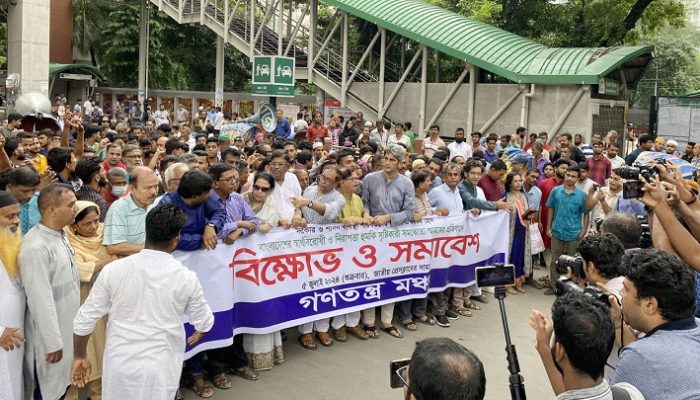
(441, 369)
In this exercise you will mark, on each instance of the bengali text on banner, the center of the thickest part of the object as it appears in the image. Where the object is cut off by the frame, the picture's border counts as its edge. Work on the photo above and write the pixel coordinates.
(267, 282)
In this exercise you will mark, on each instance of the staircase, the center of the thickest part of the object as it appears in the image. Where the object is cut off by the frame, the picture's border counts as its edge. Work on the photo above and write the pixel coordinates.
(231, 21)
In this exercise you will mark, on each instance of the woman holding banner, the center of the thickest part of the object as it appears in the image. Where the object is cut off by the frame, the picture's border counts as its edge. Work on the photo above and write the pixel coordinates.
(264, 351)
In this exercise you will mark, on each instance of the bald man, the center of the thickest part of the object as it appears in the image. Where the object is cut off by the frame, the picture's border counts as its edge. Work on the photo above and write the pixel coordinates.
(12, 298)
(125, 224)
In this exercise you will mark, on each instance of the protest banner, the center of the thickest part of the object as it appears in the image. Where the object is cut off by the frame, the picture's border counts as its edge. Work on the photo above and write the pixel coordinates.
(267, 282)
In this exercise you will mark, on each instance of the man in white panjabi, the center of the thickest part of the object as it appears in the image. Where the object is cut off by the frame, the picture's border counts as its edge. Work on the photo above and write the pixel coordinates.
(50, 279)
(146, 296)
(12, 301)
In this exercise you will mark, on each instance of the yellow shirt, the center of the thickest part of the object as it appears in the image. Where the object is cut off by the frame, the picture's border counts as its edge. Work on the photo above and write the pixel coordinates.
(353, 207)
(40, 164)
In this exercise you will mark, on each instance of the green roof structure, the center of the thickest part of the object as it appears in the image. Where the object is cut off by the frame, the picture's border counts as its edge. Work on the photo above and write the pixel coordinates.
(503, 53)
(55, 69)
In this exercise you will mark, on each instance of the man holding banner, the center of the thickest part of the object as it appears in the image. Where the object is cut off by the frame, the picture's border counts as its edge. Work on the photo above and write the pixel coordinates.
(145, 338)
(389, 198)
(321, 204)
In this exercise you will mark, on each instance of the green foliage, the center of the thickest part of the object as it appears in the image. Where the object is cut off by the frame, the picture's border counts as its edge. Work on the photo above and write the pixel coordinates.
(677, 64)
(181, 57)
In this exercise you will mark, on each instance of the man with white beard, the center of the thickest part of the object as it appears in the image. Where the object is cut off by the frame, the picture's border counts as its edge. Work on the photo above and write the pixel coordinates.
(12, 300)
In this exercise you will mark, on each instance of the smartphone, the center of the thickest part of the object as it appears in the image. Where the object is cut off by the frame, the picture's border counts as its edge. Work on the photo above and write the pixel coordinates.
(596, 187)
(632, 189)
(394, 366)
(499, 275)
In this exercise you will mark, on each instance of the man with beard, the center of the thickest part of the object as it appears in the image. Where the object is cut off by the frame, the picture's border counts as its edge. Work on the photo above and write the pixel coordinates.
(12, 299)
(89, 170)
(599, 166)
(30, 144)
(459, 147)
(62, 161)
(50, 278)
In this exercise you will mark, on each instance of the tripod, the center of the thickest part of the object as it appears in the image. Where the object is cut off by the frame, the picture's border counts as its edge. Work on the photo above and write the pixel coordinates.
(517, 387)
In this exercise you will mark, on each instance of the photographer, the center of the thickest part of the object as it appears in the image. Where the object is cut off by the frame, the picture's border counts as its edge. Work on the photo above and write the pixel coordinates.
(442, 369)
(658, 300)
(602, 255)
(575, 360)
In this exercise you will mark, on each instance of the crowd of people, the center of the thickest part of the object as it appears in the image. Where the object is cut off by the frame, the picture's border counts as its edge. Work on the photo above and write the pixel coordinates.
(91, 212)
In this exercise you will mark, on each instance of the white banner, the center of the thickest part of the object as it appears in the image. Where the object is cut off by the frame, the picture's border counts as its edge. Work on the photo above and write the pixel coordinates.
(267, 282)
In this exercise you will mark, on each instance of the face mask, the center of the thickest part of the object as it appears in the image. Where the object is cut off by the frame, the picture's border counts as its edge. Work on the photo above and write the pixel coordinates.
(118, 190)
(459, 140)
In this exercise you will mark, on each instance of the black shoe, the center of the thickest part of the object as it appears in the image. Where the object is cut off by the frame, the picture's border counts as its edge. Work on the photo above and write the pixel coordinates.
(442, 321)
(451, 314)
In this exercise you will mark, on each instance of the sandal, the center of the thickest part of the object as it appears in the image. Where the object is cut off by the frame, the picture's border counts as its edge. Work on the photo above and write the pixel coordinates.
(359, 333)
(247, 373)
(325, 339)
(393, 331)
(426, 320)
(201, 389)
(410, 325)
(341, 335)
(472, 306)
(371, 331)
(307, 341)
(220, 381)
(465, 312)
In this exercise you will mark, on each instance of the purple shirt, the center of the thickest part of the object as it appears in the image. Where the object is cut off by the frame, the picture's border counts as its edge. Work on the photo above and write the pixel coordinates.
(236, 210)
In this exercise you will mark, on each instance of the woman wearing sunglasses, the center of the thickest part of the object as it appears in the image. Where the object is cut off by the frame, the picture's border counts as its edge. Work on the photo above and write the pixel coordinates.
(264, 351)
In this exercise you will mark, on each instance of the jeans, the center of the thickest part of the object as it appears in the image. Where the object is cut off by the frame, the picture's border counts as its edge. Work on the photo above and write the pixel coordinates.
(438, 303)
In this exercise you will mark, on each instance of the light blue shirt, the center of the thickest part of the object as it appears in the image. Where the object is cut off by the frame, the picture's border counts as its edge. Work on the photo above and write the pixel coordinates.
(443, 197)
(125, 222)
(630, 206)
(29, 214)
(534, 195)
(569, 209)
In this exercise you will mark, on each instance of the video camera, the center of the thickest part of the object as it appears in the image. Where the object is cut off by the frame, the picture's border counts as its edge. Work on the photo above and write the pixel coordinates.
(575, 263)
(566, 285)
(645, 241)
(632, 188)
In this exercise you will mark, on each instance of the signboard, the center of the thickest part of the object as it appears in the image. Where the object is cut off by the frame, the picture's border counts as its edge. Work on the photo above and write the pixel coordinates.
(75, 77)
(332, 105)
(609, 87)
(273, 76)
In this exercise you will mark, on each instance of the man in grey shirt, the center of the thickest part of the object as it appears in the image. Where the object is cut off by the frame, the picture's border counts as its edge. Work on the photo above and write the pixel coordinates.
(389, 198)
(50, 279)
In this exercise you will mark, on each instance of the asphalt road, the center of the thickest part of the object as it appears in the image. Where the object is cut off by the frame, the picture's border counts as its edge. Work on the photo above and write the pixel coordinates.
(360, 369)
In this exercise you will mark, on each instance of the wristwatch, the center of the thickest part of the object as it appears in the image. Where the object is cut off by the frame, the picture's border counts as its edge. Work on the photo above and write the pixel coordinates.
(212, 225)
(311, 204)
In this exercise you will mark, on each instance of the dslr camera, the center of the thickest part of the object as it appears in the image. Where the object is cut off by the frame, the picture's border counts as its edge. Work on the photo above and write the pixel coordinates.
(566, 285)
(575, 263)
(632, 188)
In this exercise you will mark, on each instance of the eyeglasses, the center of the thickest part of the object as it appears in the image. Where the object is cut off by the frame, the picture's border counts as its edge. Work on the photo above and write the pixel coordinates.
(402, 373)
(260, 188)
(229, 180)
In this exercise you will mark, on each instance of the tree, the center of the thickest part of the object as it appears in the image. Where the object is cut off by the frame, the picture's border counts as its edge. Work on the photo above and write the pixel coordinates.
(676, 69)
(88, 19)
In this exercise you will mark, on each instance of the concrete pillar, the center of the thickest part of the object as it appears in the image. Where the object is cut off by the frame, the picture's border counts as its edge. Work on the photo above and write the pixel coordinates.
(143, 53)
(194, 110)
(28, 44)
(219, 83)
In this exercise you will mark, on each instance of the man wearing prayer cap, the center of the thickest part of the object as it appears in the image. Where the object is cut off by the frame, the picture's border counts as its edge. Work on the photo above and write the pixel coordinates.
(12, 301)
(671, 147)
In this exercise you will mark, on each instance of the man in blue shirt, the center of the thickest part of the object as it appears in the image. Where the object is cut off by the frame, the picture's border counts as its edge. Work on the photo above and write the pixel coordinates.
(205, 215)
(567, 220)
(283, 129)
(646, 143)
(658, 299)
(490, 155)
(23, 184)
